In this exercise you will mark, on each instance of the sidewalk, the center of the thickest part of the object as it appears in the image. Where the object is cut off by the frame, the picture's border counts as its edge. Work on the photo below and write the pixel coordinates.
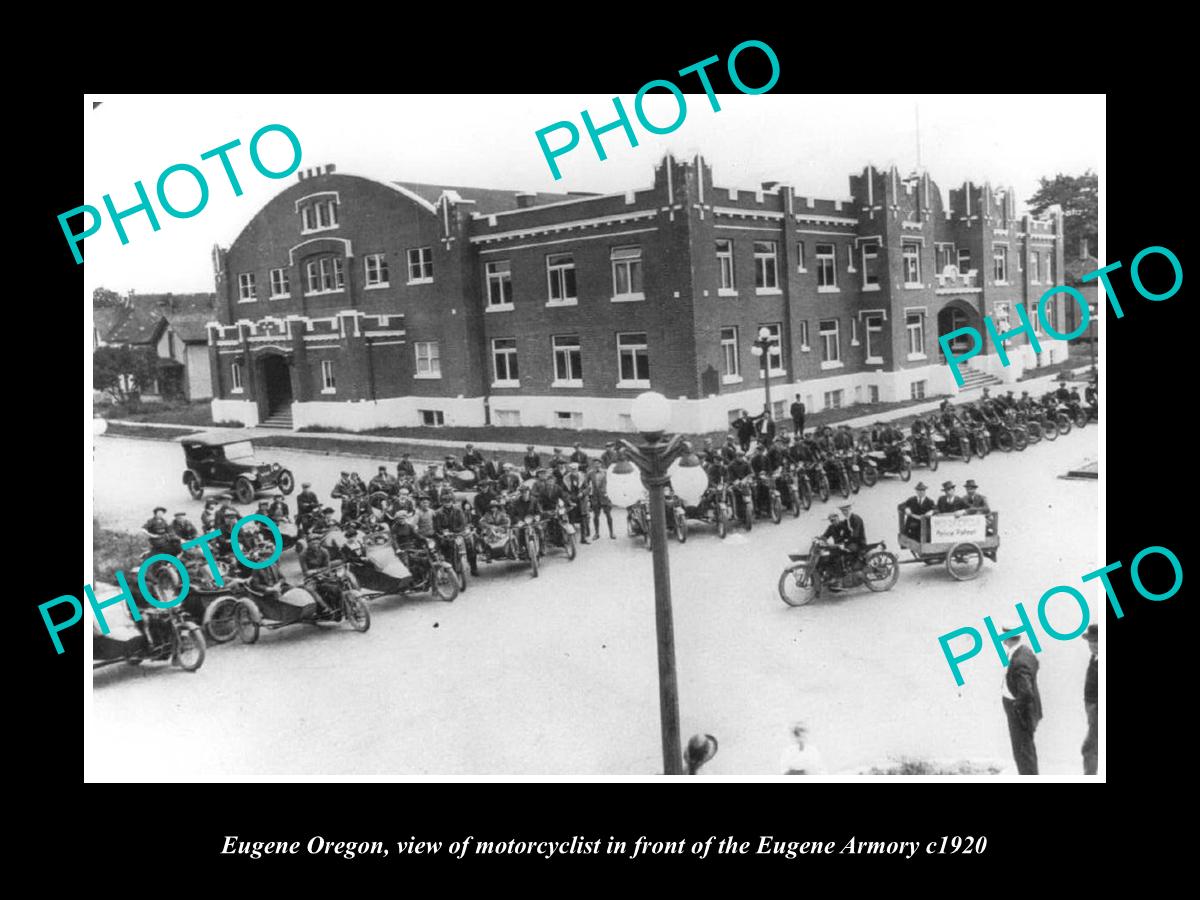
(1033, 385)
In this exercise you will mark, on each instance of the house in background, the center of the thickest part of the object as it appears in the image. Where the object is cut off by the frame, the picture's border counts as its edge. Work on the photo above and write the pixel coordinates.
(174, 326)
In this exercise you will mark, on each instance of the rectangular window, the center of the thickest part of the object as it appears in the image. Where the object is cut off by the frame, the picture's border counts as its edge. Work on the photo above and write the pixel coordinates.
(312, 275)
(945, 256)
(429, 360)
(328, 385)
(914, 329)
(633, 360)
(308, 220)
(504, 362)
(725, 264)
(870, 266)
(499, 284)
(766, 277)
(627, 272)
(507, 418)
(560, 275)
(432, 417)
(1000, 264)
(800, 267)
(872, 393)
(831, 347)
(1034, 269)
(1000, 315)
(339, 272)
(569, 420)
(568, 360)
(1033, 317)
(775, 351)
(1049, 269)
(246, 291)
(826, 269)
(874, 326)
(731, 368)
(964, 260)
(833, 399)
(912, 264)
(916, 390)
(804, 345)
(377, 270)
(280, 285)
(420, 265)
(779, 410)
(322, 214)
(235, 372)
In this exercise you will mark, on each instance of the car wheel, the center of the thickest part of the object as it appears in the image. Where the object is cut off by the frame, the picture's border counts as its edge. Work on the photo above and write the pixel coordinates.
(287, 481)
(195, 487)
(243, 490)
(964, 561)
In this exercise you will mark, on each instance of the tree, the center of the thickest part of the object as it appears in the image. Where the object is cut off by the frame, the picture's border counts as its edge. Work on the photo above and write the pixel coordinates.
(1078, 197)
(123, 372)
(103, 297)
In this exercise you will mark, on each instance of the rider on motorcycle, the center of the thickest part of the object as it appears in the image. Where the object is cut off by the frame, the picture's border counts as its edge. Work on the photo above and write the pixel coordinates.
(448, 522)
(383, 482)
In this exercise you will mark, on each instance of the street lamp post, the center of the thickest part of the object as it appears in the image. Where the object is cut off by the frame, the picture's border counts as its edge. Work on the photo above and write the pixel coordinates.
(762, 349)
(660, 463)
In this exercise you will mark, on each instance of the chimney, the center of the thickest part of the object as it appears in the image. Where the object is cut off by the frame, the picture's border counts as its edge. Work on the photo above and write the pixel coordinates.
(1083, 248)
(525, 199)
(301, 174)
(329, 169)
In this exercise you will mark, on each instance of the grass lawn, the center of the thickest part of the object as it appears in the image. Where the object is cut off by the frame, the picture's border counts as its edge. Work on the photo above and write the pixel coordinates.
(146, 431)
(114, 551)
(181, 412)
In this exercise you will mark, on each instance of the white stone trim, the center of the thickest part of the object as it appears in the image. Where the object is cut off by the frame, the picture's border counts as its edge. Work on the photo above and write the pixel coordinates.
(314, 196)
(347, 246)
(581, 237)
(615, 219)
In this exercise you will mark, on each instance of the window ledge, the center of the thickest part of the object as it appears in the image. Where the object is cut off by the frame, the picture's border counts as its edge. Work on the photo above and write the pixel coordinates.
(731, 379)
(573, 301)
(1000, 284)
(628, 298)
(427, 375)
(913, 286)
(767, 292)
(247, 299)
(855, 342)
(804, 348)
(832, 364)
(774, 373)
(328, 390)
(237, 390)
(727, 292)
(325, 293)
(281, 297)
(419, 281)
(829, 289)
(378, 286)
(852, 270)
(802, 270)
(916, 357)
(567, 383)
(633, 385)
(499, 307)
(874, 360)
(319, 230)
(870, 287)
(506, 384)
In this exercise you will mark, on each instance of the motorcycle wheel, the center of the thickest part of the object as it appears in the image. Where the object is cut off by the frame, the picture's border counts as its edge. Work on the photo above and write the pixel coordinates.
(533, 554)
(964, 447)
(1049, 430)
(905, 470)
(748, 515)
(681, 529)
(844, 485)
(776, 510)
(855, 481)
(794, 500)
(796, 588)
(933, 460)
(569, 543)
(806, 495)
(1033, 433)
(221, 625)
(445, 582)
(869, 476)
(882, 570)
(1020, 440)
(1064, 423)
(189, 647)
(247, 626)
(983, 449)
(1081, 419)
(964, 561)
(823, 488)
(722, 528)
(356, 611)
(1005, 441)
(460, 572)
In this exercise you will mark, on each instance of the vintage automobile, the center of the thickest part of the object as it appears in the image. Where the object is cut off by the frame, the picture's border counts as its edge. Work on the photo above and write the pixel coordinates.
(229, 461)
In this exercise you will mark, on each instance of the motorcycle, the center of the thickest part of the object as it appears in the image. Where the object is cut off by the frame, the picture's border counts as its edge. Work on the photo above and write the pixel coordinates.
(453, 546)
(954, 443)
(924, 453)
(814, 474)
(743, 501)
(164, 634)
(518, 542)
(838, 474)
(896, 462)
(335, 585)
(812, 572)
(715, 507)
(767, 501)
(415, 566)
(788, 488)
(853, 469)
(637, 520)
(556, 530)
(981, 441)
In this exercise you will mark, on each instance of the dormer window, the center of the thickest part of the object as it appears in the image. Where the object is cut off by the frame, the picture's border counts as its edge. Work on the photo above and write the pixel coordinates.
(318, 212)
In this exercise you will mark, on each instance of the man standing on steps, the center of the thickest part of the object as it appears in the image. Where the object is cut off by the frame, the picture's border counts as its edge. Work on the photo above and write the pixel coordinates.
(798, 412)
(1021, 701)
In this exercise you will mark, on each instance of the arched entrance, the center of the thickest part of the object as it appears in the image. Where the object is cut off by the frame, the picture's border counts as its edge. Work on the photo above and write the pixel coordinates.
(276, 380)
(959, 314)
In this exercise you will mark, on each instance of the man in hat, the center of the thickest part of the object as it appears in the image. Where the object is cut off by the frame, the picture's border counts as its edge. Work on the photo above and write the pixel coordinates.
(314, 556)
(975, 503)
(345, 491)
(451, 521)
(278, 510)
(494, 468)
(949, 502)
(1021, 701)
(532, 461)
(522, 507)
(577, 489)
(208, 518)
(307, 501)
(856, 532)
(600, 501)
(798, 413)
(182, 528)
(764, 425)
(609, 456)
(404, 468)
(158, 529)
(472, 459)
(914, 509)
(484, 496)
(493, 524)
(578, 456)
(801, 756)
(729, 449)
(557, 463)
(1090, 743)
(1062, 395)
(700, 749)
(510, 478)
(743, 425)
(383, 482)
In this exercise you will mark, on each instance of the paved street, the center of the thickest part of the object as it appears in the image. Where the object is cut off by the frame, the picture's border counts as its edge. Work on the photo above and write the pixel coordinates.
(558, 675)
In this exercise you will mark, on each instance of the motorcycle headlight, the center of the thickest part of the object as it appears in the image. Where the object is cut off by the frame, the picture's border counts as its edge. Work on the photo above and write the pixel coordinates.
(275, 467)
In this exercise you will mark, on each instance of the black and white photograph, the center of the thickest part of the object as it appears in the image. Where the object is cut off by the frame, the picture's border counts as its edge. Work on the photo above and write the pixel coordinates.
(524, 436)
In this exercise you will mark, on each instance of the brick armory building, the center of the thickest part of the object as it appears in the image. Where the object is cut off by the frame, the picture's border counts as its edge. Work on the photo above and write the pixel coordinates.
(357, 303)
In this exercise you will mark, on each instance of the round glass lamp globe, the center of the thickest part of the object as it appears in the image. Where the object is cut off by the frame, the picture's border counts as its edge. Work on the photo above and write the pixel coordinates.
(756, 350)
(624, 484)
(764, 334)
(99, 425)
(651, 413)
(689, 482)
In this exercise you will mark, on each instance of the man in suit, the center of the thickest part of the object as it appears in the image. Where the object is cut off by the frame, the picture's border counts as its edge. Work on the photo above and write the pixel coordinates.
(1089, 748)
(949, 502)
(533, 461)
(1021, 701)
(798, 412)
(914, 508)
(744, 426)
(856, 532)
(764, 426)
